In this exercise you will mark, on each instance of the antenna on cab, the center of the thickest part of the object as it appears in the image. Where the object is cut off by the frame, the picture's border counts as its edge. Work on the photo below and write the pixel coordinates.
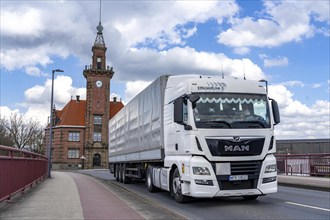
(243, 70)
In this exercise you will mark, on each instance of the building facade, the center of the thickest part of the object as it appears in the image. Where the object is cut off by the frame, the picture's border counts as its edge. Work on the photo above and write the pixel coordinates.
(80, 129)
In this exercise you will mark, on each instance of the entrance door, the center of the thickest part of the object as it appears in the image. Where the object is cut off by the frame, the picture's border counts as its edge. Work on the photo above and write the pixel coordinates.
(96, 160)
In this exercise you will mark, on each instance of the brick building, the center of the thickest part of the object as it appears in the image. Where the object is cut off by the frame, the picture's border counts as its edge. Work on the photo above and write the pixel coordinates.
(80, 131)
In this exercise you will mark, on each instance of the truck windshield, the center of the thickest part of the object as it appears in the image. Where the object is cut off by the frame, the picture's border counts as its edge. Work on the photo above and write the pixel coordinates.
(231, 110)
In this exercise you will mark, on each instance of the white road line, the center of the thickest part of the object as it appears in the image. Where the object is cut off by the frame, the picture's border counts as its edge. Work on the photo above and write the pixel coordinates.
(308, 206)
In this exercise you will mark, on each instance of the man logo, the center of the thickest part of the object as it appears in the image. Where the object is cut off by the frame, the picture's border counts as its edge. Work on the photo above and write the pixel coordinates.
(236, 139)
(235, 148)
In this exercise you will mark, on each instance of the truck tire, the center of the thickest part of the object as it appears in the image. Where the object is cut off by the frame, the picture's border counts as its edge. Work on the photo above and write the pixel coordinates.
(176, 188)
(117, 172)
(149, 181)
(125, 178)
(120, 173)
(250, 197)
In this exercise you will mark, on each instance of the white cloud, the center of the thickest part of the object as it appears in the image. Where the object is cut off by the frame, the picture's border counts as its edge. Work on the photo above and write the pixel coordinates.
(241, 50)
(182, 61)
(33, 34)
(299, 120)
(133, 88)
(316, 85)
(37, 98)
(165, 20)
(5, 112)
(293, 83)
(34, 71)
(281, 22)
(278, 61)
(22, 21)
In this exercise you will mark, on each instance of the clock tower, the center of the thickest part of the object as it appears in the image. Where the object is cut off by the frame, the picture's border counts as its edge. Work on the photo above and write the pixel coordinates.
(98, 76)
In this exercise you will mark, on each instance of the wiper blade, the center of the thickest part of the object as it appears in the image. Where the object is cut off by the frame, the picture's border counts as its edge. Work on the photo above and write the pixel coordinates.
(257, 124)
(219, 123)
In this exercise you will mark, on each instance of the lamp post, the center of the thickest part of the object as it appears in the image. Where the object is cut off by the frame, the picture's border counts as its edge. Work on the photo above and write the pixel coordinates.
(82, 161)
(51, 124)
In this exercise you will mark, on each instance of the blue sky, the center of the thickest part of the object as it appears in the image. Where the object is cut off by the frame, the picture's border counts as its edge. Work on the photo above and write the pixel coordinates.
(285, 42)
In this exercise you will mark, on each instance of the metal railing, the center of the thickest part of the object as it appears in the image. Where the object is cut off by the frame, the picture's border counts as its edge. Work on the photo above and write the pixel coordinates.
(303, 164)
(19, 170)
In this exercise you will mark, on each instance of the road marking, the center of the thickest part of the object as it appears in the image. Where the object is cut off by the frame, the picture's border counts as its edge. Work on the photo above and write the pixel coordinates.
(308, 206)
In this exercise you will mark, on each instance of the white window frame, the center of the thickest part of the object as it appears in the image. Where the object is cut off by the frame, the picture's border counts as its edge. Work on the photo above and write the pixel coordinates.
(74, 136)
(97, 137)
(73, 154)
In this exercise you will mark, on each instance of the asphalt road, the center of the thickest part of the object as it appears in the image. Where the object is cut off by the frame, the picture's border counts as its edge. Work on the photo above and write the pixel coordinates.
(288, 203)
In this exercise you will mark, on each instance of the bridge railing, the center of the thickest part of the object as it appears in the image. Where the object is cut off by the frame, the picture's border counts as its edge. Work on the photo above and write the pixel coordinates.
(19, 170)
(304, 164)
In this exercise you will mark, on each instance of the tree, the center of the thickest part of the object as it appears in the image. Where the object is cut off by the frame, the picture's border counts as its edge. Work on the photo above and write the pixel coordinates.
(36, 143)
(24, 134)
(4, 135)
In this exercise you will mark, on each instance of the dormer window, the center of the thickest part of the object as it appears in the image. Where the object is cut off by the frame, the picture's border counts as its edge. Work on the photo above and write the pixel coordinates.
(98, 63)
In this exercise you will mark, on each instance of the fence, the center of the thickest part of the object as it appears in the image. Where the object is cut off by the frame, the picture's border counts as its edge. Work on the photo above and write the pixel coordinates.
(19, 170)
(304, 164)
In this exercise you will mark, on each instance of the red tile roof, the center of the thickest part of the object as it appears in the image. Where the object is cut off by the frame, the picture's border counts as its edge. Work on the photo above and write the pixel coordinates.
(74, 112)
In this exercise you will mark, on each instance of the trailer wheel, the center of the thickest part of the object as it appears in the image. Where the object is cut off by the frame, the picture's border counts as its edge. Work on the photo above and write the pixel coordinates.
(120, 173)
(149, 181)
(117, 172)
(176, 189)
(125, 178)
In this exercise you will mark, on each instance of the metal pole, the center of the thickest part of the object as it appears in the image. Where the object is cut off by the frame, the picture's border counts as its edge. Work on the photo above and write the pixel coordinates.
(51, 125)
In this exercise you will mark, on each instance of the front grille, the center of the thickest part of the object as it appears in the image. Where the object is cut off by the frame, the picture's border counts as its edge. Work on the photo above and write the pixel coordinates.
(245, 167)
(250, 168)
(230, 147)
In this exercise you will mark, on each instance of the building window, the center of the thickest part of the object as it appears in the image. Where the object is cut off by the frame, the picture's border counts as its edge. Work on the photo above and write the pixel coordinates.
(97, 119)
(74, 135)
(97, 124)
(73, 154)
(98, 61)
(97, 136)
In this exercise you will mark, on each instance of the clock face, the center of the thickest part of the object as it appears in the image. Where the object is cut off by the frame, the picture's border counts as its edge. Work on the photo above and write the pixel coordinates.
(98, 83)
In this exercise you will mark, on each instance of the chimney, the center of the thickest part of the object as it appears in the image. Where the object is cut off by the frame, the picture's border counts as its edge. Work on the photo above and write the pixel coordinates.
(114, 99)
(77, 98)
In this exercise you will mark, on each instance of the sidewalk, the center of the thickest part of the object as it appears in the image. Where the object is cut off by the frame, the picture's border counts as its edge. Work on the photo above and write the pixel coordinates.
(70, 196)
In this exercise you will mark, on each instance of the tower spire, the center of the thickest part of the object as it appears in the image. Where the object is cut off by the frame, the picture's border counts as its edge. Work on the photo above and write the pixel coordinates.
(99, 40)
(100, 11)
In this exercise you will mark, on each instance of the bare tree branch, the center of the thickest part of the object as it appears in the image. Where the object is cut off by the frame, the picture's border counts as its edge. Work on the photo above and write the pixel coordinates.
(25, 134)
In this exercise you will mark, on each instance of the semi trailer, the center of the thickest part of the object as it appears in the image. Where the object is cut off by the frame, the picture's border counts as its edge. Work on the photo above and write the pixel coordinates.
(198, 136)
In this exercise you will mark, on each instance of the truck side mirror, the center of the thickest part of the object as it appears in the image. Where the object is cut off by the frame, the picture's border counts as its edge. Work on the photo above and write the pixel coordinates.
(276, 112)
(178, 110)
(193, 99)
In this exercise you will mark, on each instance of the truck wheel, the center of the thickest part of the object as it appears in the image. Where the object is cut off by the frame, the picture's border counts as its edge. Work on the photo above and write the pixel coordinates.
(149, 182)
(120, 173)
(250, 197)
(125, 178)
(117, 172)
(176, 189)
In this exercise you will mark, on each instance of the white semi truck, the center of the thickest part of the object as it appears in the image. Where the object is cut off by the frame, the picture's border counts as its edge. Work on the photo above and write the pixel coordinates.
(198, 136)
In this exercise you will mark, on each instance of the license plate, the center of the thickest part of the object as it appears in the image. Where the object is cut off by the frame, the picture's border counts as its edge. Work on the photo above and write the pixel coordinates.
(238, 177)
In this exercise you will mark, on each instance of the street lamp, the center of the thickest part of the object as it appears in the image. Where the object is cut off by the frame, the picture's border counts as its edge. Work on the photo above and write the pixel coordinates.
(82, 161)
(51, 124)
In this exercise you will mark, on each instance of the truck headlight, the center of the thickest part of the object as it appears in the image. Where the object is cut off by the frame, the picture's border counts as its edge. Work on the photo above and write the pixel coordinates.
(271, 168)
(201, 171)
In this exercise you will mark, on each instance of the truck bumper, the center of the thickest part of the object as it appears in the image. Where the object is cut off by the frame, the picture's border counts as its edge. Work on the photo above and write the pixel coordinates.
(217, 185)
